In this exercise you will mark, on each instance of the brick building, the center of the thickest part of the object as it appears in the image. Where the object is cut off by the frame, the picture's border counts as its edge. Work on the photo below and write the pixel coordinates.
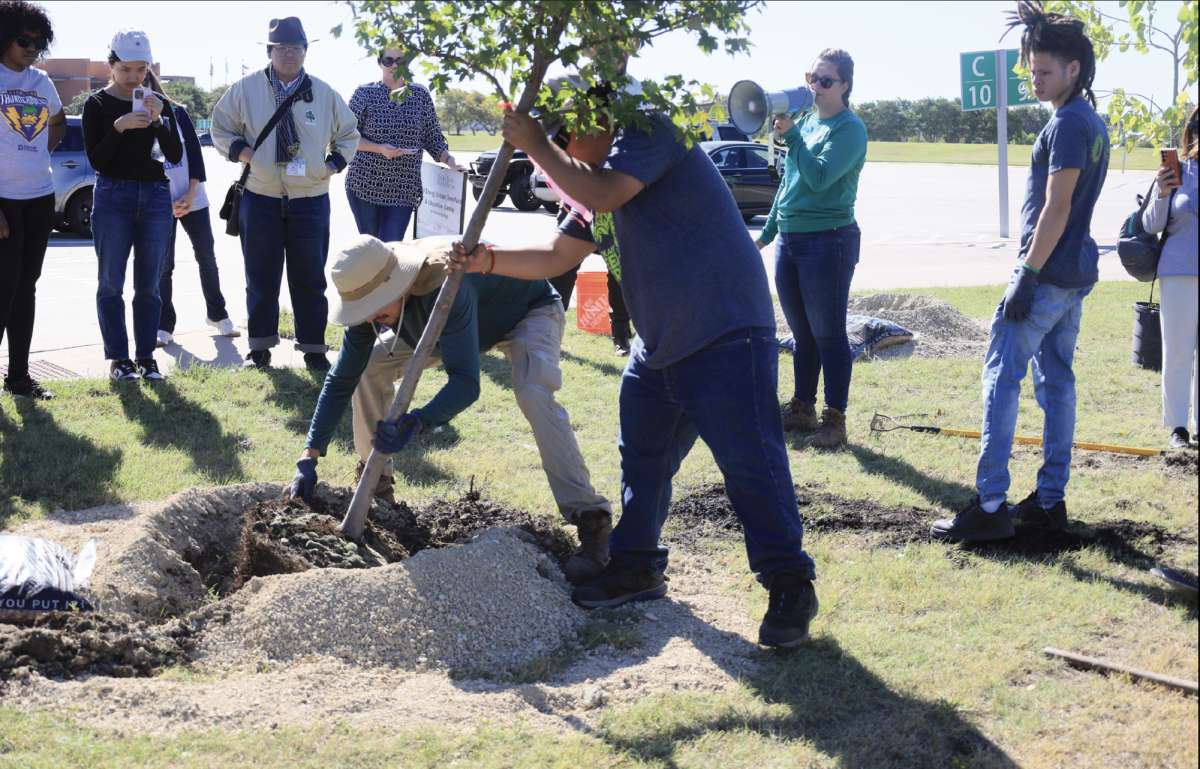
(72, 77)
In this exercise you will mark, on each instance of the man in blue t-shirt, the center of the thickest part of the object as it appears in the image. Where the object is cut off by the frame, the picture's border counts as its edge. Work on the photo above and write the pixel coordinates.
(1038, 318)
(704, 363)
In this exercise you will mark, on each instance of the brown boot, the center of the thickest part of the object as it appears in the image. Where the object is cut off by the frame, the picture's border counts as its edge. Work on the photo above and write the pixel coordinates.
(383, 489)
(590, 558)
(831, 431)
(800, 415)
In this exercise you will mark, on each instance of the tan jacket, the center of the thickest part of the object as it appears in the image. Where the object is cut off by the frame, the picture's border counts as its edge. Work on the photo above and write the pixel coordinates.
(326, 127)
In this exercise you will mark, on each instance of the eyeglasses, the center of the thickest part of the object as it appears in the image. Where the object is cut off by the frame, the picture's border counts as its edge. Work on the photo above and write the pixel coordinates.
(826, 82)
(388, 61)
(286, 49)
(25, 41)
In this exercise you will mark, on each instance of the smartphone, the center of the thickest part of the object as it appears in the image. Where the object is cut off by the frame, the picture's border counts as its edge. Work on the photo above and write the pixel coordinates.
(1170, 159)
(139, 96)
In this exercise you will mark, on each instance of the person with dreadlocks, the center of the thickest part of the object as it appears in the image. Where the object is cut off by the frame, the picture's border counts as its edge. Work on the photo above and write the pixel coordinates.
(284, 214)
(1038, 318)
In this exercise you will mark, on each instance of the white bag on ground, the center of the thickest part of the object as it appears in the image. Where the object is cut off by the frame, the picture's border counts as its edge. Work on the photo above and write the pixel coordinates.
(37, 575)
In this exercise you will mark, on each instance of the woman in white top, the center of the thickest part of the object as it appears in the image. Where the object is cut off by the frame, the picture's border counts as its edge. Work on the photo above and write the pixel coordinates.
(33, 125)
(1178, 274)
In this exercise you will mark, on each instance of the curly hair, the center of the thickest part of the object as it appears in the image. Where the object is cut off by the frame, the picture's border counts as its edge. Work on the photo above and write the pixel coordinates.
(1059, 34)
(845, 67)
(18, 17)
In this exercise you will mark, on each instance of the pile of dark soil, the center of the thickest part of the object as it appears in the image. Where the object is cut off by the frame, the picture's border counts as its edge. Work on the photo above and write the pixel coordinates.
(706, 513)
(1182, 464)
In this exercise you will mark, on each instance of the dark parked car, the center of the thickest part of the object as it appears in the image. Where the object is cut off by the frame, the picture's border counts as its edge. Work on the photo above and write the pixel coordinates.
(74, 178)
(205, 138)
(518, 183)
(747, 170)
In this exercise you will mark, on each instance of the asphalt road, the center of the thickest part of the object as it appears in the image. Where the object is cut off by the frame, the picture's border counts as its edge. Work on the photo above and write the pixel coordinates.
(923, 225)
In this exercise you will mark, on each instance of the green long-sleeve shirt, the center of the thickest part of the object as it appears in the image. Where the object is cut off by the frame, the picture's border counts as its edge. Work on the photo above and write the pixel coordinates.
(820, 182)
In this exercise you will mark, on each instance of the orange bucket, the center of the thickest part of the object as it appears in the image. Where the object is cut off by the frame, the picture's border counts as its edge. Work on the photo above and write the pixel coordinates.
(591, 303)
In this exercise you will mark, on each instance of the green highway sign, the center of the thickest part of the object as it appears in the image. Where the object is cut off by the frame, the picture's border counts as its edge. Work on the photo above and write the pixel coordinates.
(977, 72)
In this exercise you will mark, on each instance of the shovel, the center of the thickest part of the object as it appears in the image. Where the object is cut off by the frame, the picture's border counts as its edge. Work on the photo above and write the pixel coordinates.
(356, 517)
(882, 423)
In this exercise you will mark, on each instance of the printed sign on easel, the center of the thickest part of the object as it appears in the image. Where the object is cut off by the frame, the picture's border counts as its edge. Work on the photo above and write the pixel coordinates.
(443, 210)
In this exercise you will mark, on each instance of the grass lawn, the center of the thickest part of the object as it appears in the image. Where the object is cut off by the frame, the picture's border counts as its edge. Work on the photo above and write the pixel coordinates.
(478, 142)
(985, 155)
(918, 652)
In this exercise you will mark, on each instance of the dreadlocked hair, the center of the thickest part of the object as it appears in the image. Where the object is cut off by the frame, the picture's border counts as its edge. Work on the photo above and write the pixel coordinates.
(1058, 34)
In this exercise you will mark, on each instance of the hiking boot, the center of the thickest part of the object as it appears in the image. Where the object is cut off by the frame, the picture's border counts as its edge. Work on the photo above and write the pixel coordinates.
(792, 605)
(164, 338)
(973, 524)
(1029, 508)
(590, 558)
(1179, 439)
(26, 387)
(224, 326)
(258, 359)
(384, 488)
(621, 334)
(800, 415)
(316, 361)
(619, 584)
(148, 368)
(831, 431)
(123, 371)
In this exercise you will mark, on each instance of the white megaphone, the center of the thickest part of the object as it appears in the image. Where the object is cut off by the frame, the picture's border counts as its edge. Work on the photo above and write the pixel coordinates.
(751, 105)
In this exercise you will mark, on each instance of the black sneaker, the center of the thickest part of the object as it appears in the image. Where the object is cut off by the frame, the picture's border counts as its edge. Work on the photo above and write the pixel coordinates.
(258, 359)
(26, 387)
(792, 606)
(972, 524)
(123, 371)
(316, 361)
(1029, 508)
(148, 368)
(1179, 439)
(618, 584)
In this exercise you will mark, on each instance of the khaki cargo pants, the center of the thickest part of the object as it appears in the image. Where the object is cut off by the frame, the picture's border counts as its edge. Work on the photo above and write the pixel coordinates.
(532, 347)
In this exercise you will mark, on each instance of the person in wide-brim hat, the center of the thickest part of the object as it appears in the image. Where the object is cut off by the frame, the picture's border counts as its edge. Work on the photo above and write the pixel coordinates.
(287, 31)
(369, 275)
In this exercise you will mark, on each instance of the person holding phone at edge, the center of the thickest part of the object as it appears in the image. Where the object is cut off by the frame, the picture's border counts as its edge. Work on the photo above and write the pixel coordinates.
(1174, 215)
(1038, 318)
(131, 205)
(704, 363)
(26, 182)
(818, 244)
(190, 208)
(383, 183)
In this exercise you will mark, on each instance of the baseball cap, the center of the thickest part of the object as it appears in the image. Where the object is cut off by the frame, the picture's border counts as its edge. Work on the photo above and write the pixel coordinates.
(131, 45)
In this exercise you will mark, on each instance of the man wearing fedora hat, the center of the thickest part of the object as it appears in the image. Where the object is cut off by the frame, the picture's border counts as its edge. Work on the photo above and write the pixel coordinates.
(284, 214)
(396, 285)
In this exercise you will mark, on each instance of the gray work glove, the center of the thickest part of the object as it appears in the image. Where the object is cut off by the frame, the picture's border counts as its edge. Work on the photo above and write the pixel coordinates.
(305, 479)
(1019, 295)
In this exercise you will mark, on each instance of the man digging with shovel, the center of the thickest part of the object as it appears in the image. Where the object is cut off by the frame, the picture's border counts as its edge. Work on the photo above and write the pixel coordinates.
(396, 285)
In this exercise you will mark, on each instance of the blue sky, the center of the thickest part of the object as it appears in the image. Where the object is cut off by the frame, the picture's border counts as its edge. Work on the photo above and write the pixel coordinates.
(901, 49)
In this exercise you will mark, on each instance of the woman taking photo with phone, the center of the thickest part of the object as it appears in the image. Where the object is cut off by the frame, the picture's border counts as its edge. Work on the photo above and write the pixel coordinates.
(1178, 273)
(26, 184)
(818, 244)
(383, 183)
(132, 201)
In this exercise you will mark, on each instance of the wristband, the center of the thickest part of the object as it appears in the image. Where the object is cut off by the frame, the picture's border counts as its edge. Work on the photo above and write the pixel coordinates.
(491, 267)
(1031, 269)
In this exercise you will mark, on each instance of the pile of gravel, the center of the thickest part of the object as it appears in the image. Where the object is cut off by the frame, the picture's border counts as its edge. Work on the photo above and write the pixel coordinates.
(939, 329)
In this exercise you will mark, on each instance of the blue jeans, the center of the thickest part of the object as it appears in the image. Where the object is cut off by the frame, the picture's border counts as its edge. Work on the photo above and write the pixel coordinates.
(128, 215)
(199, 230)
(725, 394)
(285, 231)
(1047, 337)
(813, 271)
(388, 223)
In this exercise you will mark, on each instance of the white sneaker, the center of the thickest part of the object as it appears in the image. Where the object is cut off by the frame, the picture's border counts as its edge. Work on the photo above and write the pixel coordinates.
(165, 338)
(224, 327)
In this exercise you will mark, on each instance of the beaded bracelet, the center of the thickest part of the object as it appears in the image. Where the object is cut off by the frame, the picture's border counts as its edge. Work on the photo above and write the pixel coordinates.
(492, 266)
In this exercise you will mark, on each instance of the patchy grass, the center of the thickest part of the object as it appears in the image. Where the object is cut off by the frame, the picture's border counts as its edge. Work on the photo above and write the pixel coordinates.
(1140, 159)
(479, 142)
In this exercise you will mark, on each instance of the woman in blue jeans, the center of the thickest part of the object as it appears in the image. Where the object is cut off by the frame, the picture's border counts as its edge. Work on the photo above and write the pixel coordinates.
(383, 182)
(818, 244)
(132, 202)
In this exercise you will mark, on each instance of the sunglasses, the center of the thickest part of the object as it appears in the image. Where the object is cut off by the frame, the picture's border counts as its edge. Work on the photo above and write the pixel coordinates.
(25, 41)
(388, 61)
(561, 138)
(826, 82)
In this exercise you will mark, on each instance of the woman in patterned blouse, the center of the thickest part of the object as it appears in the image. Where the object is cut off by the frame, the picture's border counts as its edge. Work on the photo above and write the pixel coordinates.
(384, 180)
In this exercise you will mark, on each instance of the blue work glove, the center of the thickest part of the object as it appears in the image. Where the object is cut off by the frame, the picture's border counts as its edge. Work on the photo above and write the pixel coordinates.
(305, 479)
(1019, 295)
(390, 438)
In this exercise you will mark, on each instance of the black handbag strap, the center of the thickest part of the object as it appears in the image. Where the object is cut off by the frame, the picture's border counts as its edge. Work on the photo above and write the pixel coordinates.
(274, 121)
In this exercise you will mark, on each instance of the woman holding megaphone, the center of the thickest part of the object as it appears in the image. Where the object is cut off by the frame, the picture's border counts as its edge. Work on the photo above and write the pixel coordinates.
(818, 244)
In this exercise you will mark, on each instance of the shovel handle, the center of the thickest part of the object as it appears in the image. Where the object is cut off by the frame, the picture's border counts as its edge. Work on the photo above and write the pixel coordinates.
(1029, 440)
(1094, 663)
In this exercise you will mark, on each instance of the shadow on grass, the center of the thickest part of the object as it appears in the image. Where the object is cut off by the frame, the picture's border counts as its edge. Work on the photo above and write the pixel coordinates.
(949, 495)
(42, 463)
(168, 418)
(495, 366)
(604, 368)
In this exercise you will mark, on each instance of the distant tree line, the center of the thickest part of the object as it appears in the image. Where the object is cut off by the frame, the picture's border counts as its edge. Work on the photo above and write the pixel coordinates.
(198, 102)
(942, 120)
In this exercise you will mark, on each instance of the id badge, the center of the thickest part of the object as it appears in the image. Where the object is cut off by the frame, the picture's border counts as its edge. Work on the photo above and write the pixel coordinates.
(296, 167)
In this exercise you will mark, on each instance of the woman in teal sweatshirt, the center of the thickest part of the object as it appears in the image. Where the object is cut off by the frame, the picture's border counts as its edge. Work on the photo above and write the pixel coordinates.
(818, 244)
